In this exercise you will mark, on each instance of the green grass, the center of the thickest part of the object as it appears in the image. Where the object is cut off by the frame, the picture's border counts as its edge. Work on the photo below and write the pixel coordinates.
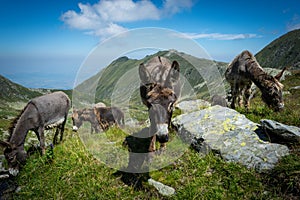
(72, 172)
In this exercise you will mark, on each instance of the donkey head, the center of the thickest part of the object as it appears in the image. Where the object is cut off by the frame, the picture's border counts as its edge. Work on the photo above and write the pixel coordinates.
(15, 156)
(272, 94)
(159, 83)
(76, 118)
(161, 101)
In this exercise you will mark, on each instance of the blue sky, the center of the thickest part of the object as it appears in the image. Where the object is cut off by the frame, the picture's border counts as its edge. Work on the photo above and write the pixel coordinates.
(44, 42)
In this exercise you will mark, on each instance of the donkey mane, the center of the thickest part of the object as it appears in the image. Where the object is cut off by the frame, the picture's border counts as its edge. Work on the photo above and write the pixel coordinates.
(13, 124)
(159, 91)
(257, 74)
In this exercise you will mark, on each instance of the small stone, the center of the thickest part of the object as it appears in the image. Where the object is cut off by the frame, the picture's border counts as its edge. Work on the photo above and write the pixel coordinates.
(162, 189)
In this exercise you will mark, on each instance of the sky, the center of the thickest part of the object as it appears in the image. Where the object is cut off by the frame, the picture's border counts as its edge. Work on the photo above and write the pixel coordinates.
(44, 43)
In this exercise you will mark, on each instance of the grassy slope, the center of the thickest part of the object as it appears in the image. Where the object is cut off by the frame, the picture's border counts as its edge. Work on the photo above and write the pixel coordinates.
(104, 82)
(281, 52)
(74, 173)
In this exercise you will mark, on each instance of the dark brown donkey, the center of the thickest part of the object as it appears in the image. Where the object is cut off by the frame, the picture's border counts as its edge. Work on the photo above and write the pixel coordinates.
(44, 112)
(159, 90)
(108, 116)
(85, 115)
(244, 70)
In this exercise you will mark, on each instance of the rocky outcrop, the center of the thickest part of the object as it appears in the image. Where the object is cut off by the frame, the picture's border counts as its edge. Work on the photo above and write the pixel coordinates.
(230, 134)
(280, 133)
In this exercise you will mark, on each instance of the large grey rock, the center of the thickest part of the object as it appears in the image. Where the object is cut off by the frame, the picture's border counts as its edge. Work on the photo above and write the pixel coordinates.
(280, 133)
(192, 105)
(230, 134)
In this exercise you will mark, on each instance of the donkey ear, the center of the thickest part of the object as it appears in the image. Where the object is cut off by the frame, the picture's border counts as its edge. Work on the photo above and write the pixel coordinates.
(144, 74)
(174, 72)
(5, 144)
(279, 75)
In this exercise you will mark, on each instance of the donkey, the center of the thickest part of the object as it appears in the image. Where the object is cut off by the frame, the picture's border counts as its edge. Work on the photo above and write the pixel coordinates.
(244, 70)
(107, 116)
(44, 112)
(88, 115)
(159, 90)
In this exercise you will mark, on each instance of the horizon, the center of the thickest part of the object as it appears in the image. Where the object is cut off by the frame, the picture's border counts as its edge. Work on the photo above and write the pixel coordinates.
(44, 43)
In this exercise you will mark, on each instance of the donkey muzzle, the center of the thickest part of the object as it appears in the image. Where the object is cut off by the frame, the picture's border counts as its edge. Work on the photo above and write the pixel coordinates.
(281, 106)
(162, 133)
(75, 128)
(13, 171)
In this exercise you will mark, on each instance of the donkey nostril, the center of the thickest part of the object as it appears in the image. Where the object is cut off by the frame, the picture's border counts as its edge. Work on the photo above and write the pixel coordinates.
(163, 139)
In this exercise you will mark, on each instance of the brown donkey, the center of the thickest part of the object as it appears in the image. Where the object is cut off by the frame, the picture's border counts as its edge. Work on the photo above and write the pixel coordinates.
(159, 90)
(108, 116)
(244, 70)
(85, 115)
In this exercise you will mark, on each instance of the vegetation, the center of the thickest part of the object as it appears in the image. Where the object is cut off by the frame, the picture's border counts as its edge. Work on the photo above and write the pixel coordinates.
(103, 84)
(282, 52)
(70, 171)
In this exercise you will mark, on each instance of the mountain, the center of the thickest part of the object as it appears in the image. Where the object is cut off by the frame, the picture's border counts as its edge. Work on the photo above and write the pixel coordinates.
(120, 78)
(282, 52)
(10, 91)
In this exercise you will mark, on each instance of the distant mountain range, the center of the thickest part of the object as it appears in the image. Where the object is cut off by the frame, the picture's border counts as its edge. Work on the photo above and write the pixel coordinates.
(106, 83)
(284, 51)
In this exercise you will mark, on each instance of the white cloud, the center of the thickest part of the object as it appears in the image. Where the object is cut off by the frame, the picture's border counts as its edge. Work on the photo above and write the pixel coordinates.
(220, 36)
(171, 7)
(103, 18)
(126, 10)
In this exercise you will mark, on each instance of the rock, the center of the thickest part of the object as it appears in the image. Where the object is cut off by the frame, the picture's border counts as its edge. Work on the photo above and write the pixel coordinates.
(192, 105)
(162, 189)
(280, 133)
(218, 100)
(295, 88)
(231, 135)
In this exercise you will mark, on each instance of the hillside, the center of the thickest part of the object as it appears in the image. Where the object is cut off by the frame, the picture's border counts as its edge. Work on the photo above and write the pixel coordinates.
(282, 52)
(194, 175)
(103, 84)
(10, 91)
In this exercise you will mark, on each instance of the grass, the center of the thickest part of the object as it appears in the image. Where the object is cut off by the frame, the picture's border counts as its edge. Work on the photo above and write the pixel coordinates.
(72, 172)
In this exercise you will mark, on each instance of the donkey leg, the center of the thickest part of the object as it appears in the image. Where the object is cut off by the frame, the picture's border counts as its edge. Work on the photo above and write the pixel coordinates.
(62, 129)
(55, 135)
(234, 95)
(151, 149)
(162, 148)
(42, 139)
(152, 144)
(247, 96)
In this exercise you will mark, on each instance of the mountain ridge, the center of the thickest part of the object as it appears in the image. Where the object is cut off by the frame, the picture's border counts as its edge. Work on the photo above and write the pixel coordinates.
(282, 52)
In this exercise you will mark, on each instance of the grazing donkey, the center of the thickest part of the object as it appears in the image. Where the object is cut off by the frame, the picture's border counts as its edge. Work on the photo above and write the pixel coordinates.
(107, 116)
(159, 90)
(244, 70)
(44, 112)
(88, 115)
